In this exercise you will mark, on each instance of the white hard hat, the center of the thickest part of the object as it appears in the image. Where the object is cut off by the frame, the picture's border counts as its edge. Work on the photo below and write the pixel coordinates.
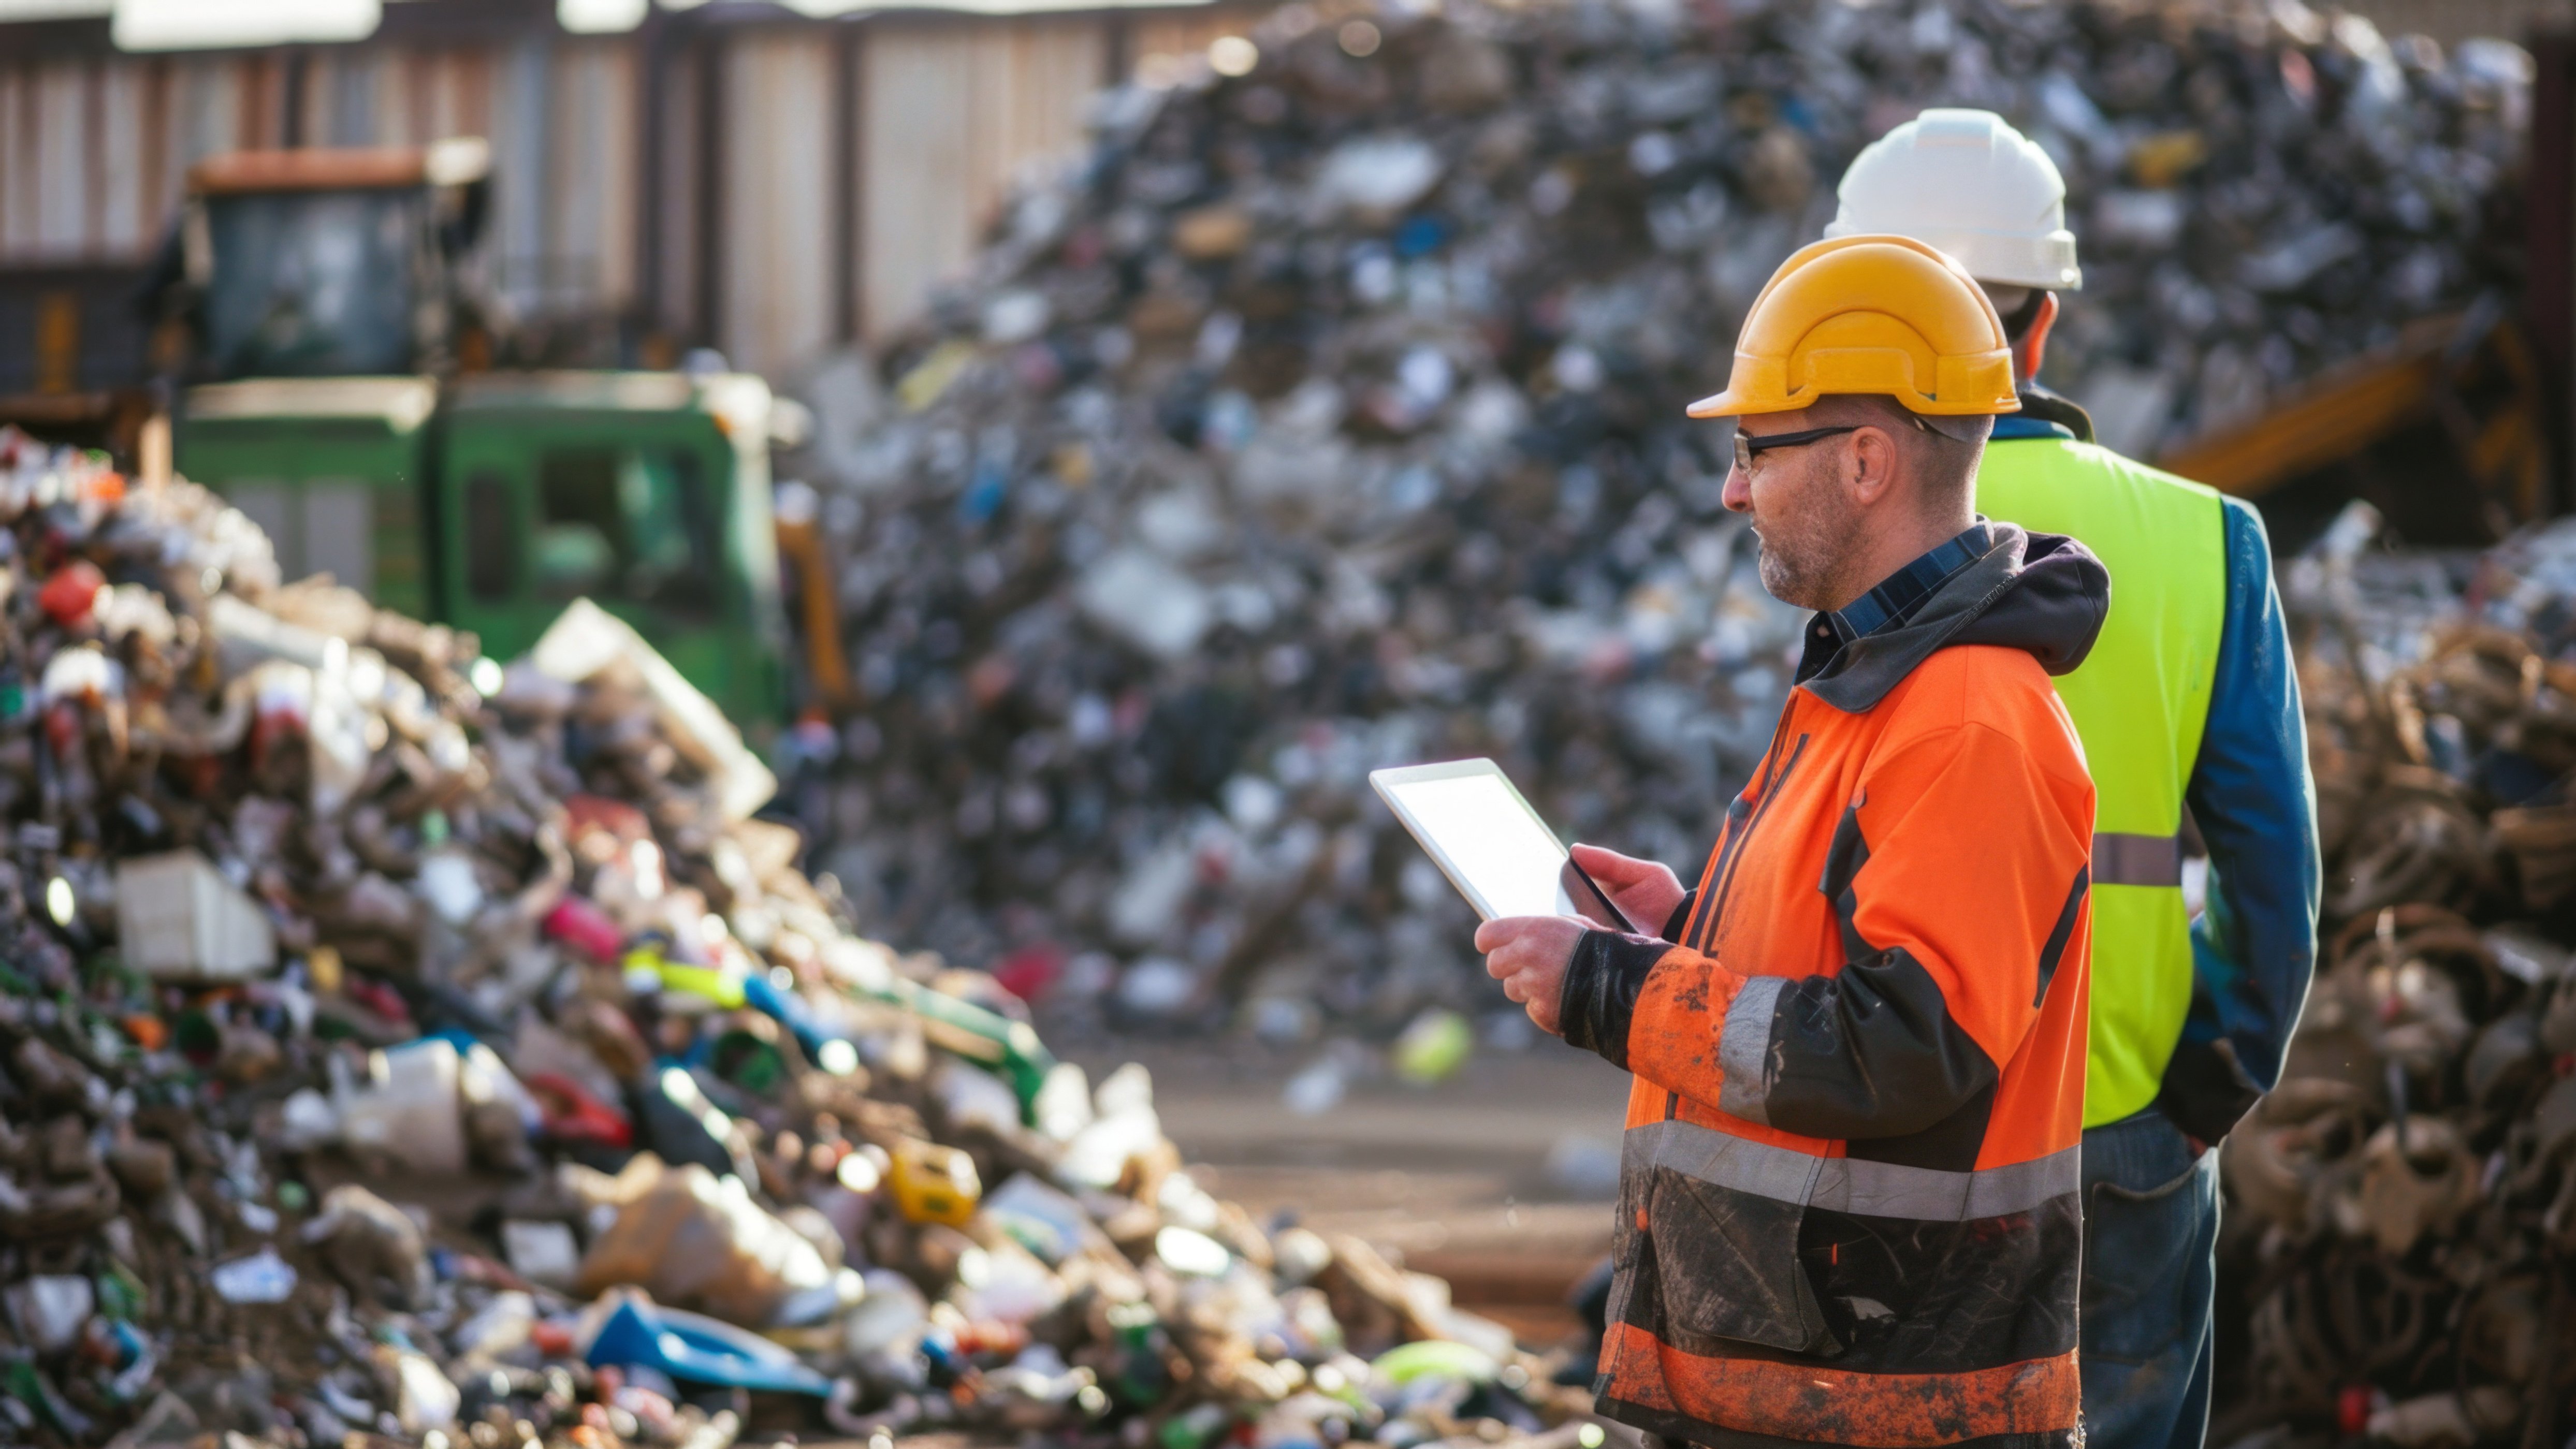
(1968, 183)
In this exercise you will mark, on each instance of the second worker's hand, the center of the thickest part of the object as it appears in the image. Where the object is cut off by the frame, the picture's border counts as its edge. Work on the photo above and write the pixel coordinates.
(1529, 954)
(1645, 892)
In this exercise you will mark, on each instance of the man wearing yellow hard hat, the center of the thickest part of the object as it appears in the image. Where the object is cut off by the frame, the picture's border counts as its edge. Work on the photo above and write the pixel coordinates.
(1848, 1207)
(2189, 704)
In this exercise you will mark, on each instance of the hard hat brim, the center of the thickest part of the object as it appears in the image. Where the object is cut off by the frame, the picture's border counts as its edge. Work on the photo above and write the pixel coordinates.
(1727, 405)
(1996, 259)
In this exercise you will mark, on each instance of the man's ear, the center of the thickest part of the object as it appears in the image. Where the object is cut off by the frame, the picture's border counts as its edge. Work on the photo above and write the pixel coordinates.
(1873, 465)
(2031, 352)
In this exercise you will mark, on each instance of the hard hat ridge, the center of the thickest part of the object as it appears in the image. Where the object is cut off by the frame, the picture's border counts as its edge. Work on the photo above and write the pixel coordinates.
(1869, 314)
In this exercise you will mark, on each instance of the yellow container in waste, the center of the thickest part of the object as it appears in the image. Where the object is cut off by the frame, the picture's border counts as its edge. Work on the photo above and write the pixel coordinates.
(934, 1184)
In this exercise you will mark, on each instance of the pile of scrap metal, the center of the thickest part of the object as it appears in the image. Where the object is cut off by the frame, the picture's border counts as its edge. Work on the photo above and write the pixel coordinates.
(2403, 1217)
(1329, 415)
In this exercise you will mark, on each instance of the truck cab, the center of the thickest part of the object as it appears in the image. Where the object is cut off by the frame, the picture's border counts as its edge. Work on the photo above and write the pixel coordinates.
(333, 303)
(647, 493)
(491, 502)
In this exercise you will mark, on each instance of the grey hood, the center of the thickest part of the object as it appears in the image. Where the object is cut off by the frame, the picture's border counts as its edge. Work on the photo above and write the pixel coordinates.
(2042, 593)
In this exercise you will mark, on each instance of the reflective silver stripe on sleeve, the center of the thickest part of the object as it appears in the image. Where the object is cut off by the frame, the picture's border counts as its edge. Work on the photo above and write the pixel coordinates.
(1842, 1184)
(2137, 860)
(1744, 1050)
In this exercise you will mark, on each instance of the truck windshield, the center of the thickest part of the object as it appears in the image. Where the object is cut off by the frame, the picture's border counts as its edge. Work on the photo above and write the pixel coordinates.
(312, 284)
(631, 524)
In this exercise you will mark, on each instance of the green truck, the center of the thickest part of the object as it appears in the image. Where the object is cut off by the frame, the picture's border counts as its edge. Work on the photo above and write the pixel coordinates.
(344, 417)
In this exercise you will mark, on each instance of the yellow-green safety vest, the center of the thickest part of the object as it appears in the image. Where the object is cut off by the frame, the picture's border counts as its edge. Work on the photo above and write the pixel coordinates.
(2139, 702)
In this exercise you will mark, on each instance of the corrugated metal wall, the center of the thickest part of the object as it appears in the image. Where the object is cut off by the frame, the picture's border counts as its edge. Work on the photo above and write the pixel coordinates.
(948, 111)
(952, 111)
(778, 246)
(93, 150)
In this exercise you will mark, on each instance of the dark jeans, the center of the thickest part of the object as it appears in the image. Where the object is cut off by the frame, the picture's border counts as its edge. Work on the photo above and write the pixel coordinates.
(2150, 1270)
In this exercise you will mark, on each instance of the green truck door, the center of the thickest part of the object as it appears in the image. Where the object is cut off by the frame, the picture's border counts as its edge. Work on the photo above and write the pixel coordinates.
(629, 510)
(330, 469)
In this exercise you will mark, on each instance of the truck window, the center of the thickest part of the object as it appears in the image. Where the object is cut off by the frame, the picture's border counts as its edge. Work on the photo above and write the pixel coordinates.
(266, 502)
(491, 539)
(339, 532)
(312, 284)
(635, 525)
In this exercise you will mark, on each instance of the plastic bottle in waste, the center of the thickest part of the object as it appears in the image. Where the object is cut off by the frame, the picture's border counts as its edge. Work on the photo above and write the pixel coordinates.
(263, 1277)
(409, 1109)
(1139, 1374)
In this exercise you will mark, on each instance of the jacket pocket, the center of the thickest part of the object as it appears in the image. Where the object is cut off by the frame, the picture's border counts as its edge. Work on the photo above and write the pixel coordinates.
(1724, 1213)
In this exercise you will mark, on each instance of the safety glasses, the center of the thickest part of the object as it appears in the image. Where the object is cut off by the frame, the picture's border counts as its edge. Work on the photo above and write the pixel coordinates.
(1747, 446)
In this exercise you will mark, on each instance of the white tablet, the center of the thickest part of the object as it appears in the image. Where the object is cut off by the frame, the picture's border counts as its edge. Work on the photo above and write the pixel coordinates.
(1489, 842)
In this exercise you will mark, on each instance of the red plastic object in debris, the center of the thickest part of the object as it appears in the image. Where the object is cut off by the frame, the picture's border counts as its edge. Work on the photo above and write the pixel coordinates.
(2352, 1410)
(573, 1115)
(377, 997)
(622, 821)
(1028, 972)
(587, 929)
(71, 593)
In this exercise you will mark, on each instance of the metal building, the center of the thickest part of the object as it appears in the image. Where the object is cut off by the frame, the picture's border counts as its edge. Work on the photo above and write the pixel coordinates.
(735, 175)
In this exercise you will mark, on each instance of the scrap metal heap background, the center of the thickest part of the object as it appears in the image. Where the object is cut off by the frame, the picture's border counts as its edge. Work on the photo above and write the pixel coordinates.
(2402, 1208)
(400, 1046)
(1329, 416)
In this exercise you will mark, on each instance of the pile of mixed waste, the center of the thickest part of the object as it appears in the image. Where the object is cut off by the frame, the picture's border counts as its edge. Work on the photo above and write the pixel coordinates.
(2403, 1207)
(1328, 416)
(400, 1047)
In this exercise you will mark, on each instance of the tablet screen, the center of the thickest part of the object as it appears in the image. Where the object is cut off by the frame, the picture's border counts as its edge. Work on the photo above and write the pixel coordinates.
(1494, 848)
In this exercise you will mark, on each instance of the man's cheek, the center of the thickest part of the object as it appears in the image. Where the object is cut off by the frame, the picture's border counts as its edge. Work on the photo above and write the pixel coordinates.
(1767, 498)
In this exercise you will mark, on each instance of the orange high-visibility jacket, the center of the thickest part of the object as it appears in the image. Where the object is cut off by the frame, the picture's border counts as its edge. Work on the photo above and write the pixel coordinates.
(1849, 1210)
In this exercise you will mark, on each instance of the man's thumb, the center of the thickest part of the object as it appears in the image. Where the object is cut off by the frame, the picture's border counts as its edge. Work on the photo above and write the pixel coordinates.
(1607, 866)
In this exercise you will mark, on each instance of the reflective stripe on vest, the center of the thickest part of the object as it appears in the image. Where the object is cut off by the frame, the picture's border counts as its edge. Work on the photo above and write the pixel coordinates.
(2139, 703)
(2136, 860)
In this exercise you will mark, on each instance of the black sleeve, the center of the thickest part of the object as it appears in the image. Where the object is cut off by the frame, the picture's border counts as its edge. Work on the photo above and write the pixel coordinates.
(1600, 993)
(1681, 915)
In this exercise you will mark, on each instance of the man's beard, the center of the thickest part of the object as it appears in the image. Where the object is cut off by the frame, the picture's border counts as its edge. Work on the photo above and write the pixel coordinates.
(1801, 563)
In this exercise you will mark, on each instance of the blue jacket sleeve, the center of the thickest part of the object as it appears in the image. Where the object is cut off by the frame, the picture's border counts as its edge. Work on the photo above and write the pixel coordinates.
(2254, 948)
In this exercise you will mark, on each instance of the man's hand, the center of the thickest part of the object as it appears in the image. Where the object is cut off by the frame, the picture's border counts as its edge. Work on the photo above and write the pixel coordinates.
(1529, 954)
(1644, 892)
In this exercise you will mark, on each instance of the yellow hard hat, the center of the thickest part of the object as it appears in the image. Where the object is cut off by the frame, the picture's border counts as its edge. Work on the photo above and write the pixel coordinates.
(1883, 314)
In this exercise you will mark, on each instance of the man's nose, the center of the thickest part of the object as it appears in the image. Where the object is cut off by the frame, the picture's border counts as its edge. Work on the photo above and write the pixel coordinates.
(1738, 496)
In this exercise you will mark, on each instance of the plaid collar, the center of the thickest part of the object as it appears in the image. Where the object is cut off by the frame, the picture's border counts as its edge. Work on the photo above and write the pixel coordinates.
(1901, 593)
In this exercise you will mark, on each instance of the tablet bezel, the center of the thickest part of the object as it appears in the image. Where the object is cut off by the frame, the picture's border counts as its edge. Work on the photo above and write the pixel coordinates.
(1384, 782)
